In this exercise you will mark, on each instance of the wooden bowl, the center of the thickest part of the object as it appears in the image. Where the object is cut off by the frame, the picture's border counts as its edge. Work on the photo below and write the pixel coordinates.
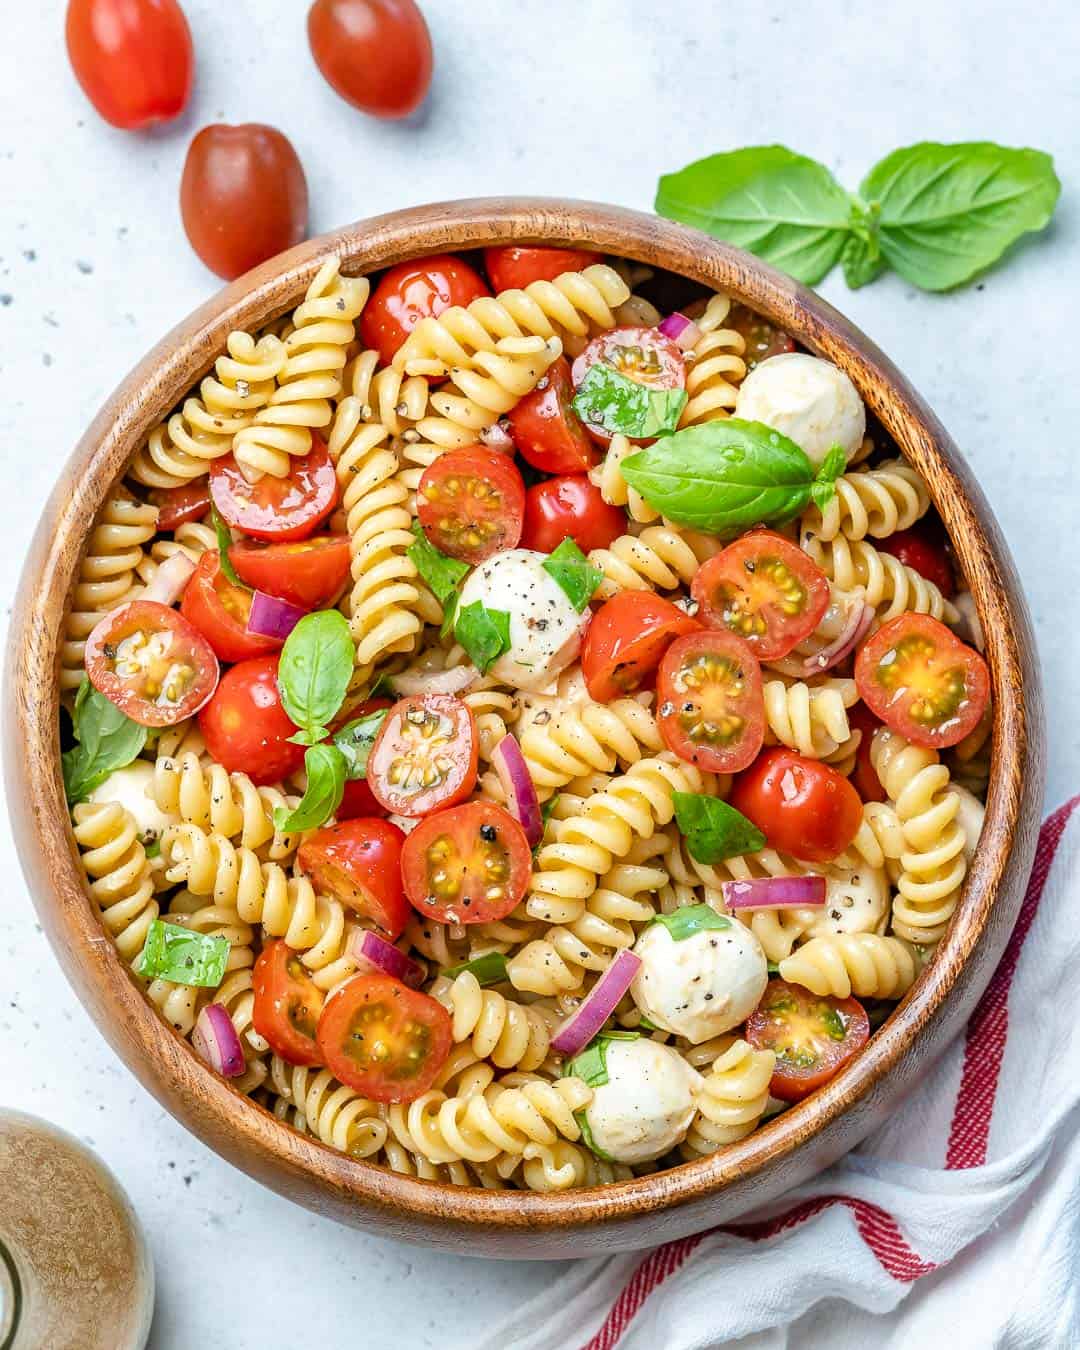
(635, 1213)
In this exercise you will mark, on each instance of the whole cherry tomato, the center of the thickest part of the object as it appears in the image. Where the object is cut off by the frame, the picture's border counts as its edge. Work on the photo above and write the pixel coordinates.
(375, 53)
(133, 58)
(923, 548)
(243, 196)
(802, 806)
(569, 507)
(245, 727)
(413, 291)
(513, 268)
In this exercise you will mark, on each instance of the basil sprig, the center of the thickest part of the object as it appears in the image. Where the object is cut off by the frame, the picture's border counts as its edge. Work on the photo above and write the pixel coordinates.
(606, 398)
(183, 956)
(326, 773)
(727, 475)
(936, 214)
(690, 919)
(577, 577)
(107, 740)
(713, 829)
(483, 632)
(224, 543)
(488, 969)
(355, 739)
(314, 670)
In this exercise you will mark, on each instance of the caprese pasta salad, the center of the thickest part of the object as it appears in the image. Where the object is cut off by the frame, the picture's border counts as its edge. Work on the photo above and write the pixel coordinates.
(521, 723)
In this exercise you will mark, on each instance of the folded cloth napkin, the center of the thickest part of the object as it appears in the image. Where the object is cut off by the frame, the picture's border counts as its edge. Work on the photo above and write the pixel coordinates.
(956, 1224)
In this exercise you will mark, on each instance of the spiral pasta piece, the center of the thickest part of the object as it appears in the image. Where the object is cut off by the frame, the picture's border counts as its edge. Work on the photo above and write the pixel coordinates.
(875, 502)
(559, 1166)
(236, 996)
(879, 839)
(207, 795)
(811, 719)
(864, 964)
(658, 559)
(891, 587)
(732, 1100)
(312, 1101)
(511, 1035)
(387, 397)
(714, 366)
(587, 737)
(118, 873)
(615, 490)
(477, 396)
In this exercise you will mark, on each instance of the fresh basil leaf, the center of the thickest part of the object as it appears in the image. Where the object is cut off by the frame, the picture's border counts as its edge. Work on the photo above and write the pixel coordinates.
(714, 830)
(153, 849)
(449, 615)
(488, 969)
(784, 207)
(861, 260)
(643, 1021)
(823, 488)
(587, 1136)
(947, 212)
(107, 740)
(183, 956)
(483, 632)
(355, 740)
(224, 543)
(591, 1064)
(690, 919)
(577, 577)
(606, 398)
(383, 686)
(314, 671)
(325, 767)
(442, 573)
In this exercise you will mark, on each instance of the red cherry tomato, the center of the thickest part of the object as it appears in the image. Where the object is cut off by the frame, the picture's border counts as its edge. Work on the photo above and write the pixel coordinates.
(643, 355)
(287, 1004)
(762, 338)
(220, 611)
(765, 589)
(245, 727)
(471, 503)
(133, 58)
(813, 1037)
(513, 268)
(375, 53)
(547, 431)
(310, 573)
(413, 291)
(359, 861)
(802, 806)
(278, 509)
(923, 548)
(864, 775)
(625, 640)
(151, 663)
(569, 507)
(243, 196)
(710, 705)
(922, 681)
(382, 1039)
(178, 505)
(470, 864)
(424, 756)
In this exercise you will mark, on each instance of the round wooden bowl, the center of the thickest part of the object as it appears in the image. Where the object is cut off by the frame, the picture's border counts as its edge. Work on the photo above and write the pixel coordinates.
(630, 1214)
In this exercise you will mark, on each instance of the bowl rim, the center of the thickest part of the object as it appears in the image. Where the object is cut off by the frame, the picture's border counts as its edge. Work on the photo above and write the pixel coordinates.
(231, 1123)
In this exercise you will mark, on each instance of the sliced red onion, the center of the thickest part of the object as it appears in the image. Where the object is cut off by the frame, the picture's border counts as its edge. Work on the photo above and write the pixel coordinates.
(521, 799)
(683, 332)
(854, 630)
(577, 1031)
(454, 681)
(215, 1040)
(169, 581)
(272, 617)
(497, 437)
(373, 953)
(774, 892)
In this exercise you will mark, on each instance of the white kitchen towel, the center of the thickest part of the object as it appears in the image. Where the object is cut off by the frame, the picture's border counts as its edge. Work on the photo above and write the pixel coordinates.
(957, 1224)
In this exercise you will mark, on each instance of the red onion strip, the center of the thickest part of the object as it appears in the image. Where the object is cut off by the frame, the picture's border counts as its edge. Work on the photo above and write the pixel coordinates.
(272, 617)
(774, 892)
(169, 581)
(373, 953)
(683, 332)
(521, 799)
(577, 1031)
(215, 1040)
(854, 630)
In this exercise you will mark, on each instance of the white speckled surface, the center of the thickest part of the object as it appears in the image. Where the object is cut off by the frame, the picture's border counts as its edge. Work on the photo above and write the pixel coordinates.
(585, 99)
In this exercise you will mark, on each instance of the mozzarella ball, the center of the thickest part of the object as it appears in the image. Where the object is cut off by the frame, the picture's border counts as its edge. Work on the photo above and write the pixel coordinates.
(811, 401)
(131, 787)
(545, 628)
(646, 1106)
(856, 901)
(702, 986)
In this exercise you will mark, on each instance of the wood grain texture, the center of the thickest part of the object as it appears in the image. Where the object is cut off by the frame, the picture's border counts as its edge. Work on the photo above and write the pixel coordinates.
(517, 1224)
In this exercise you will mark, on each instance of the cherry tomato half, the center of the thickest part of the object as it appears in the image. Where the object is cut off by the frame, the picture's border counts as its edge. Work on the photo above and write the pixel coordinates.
(309, 573)
(762, 338)
(470, 864)
(922, 681)
(710, 705)
(643, 355)
(802, 806)
(626, 639)
(765, 589)
(547, 431)
(471, 503)
(813, 1037)
(220, 611)
(178, 505)
(133, 58)
(359, 861)
(413, 291)
(864, 775)
(923, 548)
(287, 1004)
(278, 509)
(513, 268)
(569, 507)
(424, 756)
(151, 663)
(375, 53)
(382, 1039)
(243, 196)
(245, 727)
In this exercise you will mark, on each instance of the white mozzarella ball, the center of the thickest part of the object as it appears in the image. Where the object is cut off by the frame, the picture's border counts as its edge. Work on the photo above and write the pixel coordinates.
(131, 787)
(856, 901)
(809, 400)
(646, 1106)
(545, 628)
(704, 984)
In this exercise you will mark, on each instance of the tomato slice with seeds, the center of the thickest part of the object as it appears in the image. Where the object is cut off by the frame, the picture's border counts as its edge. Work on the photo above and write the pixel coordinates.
(220, 611)
(711, 709)
(547, 431)
(626, 639)
(765, 589)
(309, 573)
(922, 681)
(813, 1037)
(149, 660)
(471, 503)
(513, 267)
(470, 864)
(287, 1004)
(763, 339)
(643, 355)
(278, 509)
(802, 806)
(178, 505)
(359, 861)
(382, 1039)
(424, 756)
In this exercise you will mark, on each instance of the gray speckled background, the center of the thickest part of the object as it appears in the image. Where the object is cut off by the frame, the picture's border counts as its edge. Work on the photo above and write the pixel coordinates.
(585, 99)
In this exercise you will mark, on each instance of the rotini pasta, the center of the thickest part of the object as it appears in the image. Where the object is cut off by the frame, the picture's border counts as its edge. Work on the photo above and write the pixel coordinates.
(715, 366)
(875, 502)
(890, 586)
(732, 1100)
(864, 964)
